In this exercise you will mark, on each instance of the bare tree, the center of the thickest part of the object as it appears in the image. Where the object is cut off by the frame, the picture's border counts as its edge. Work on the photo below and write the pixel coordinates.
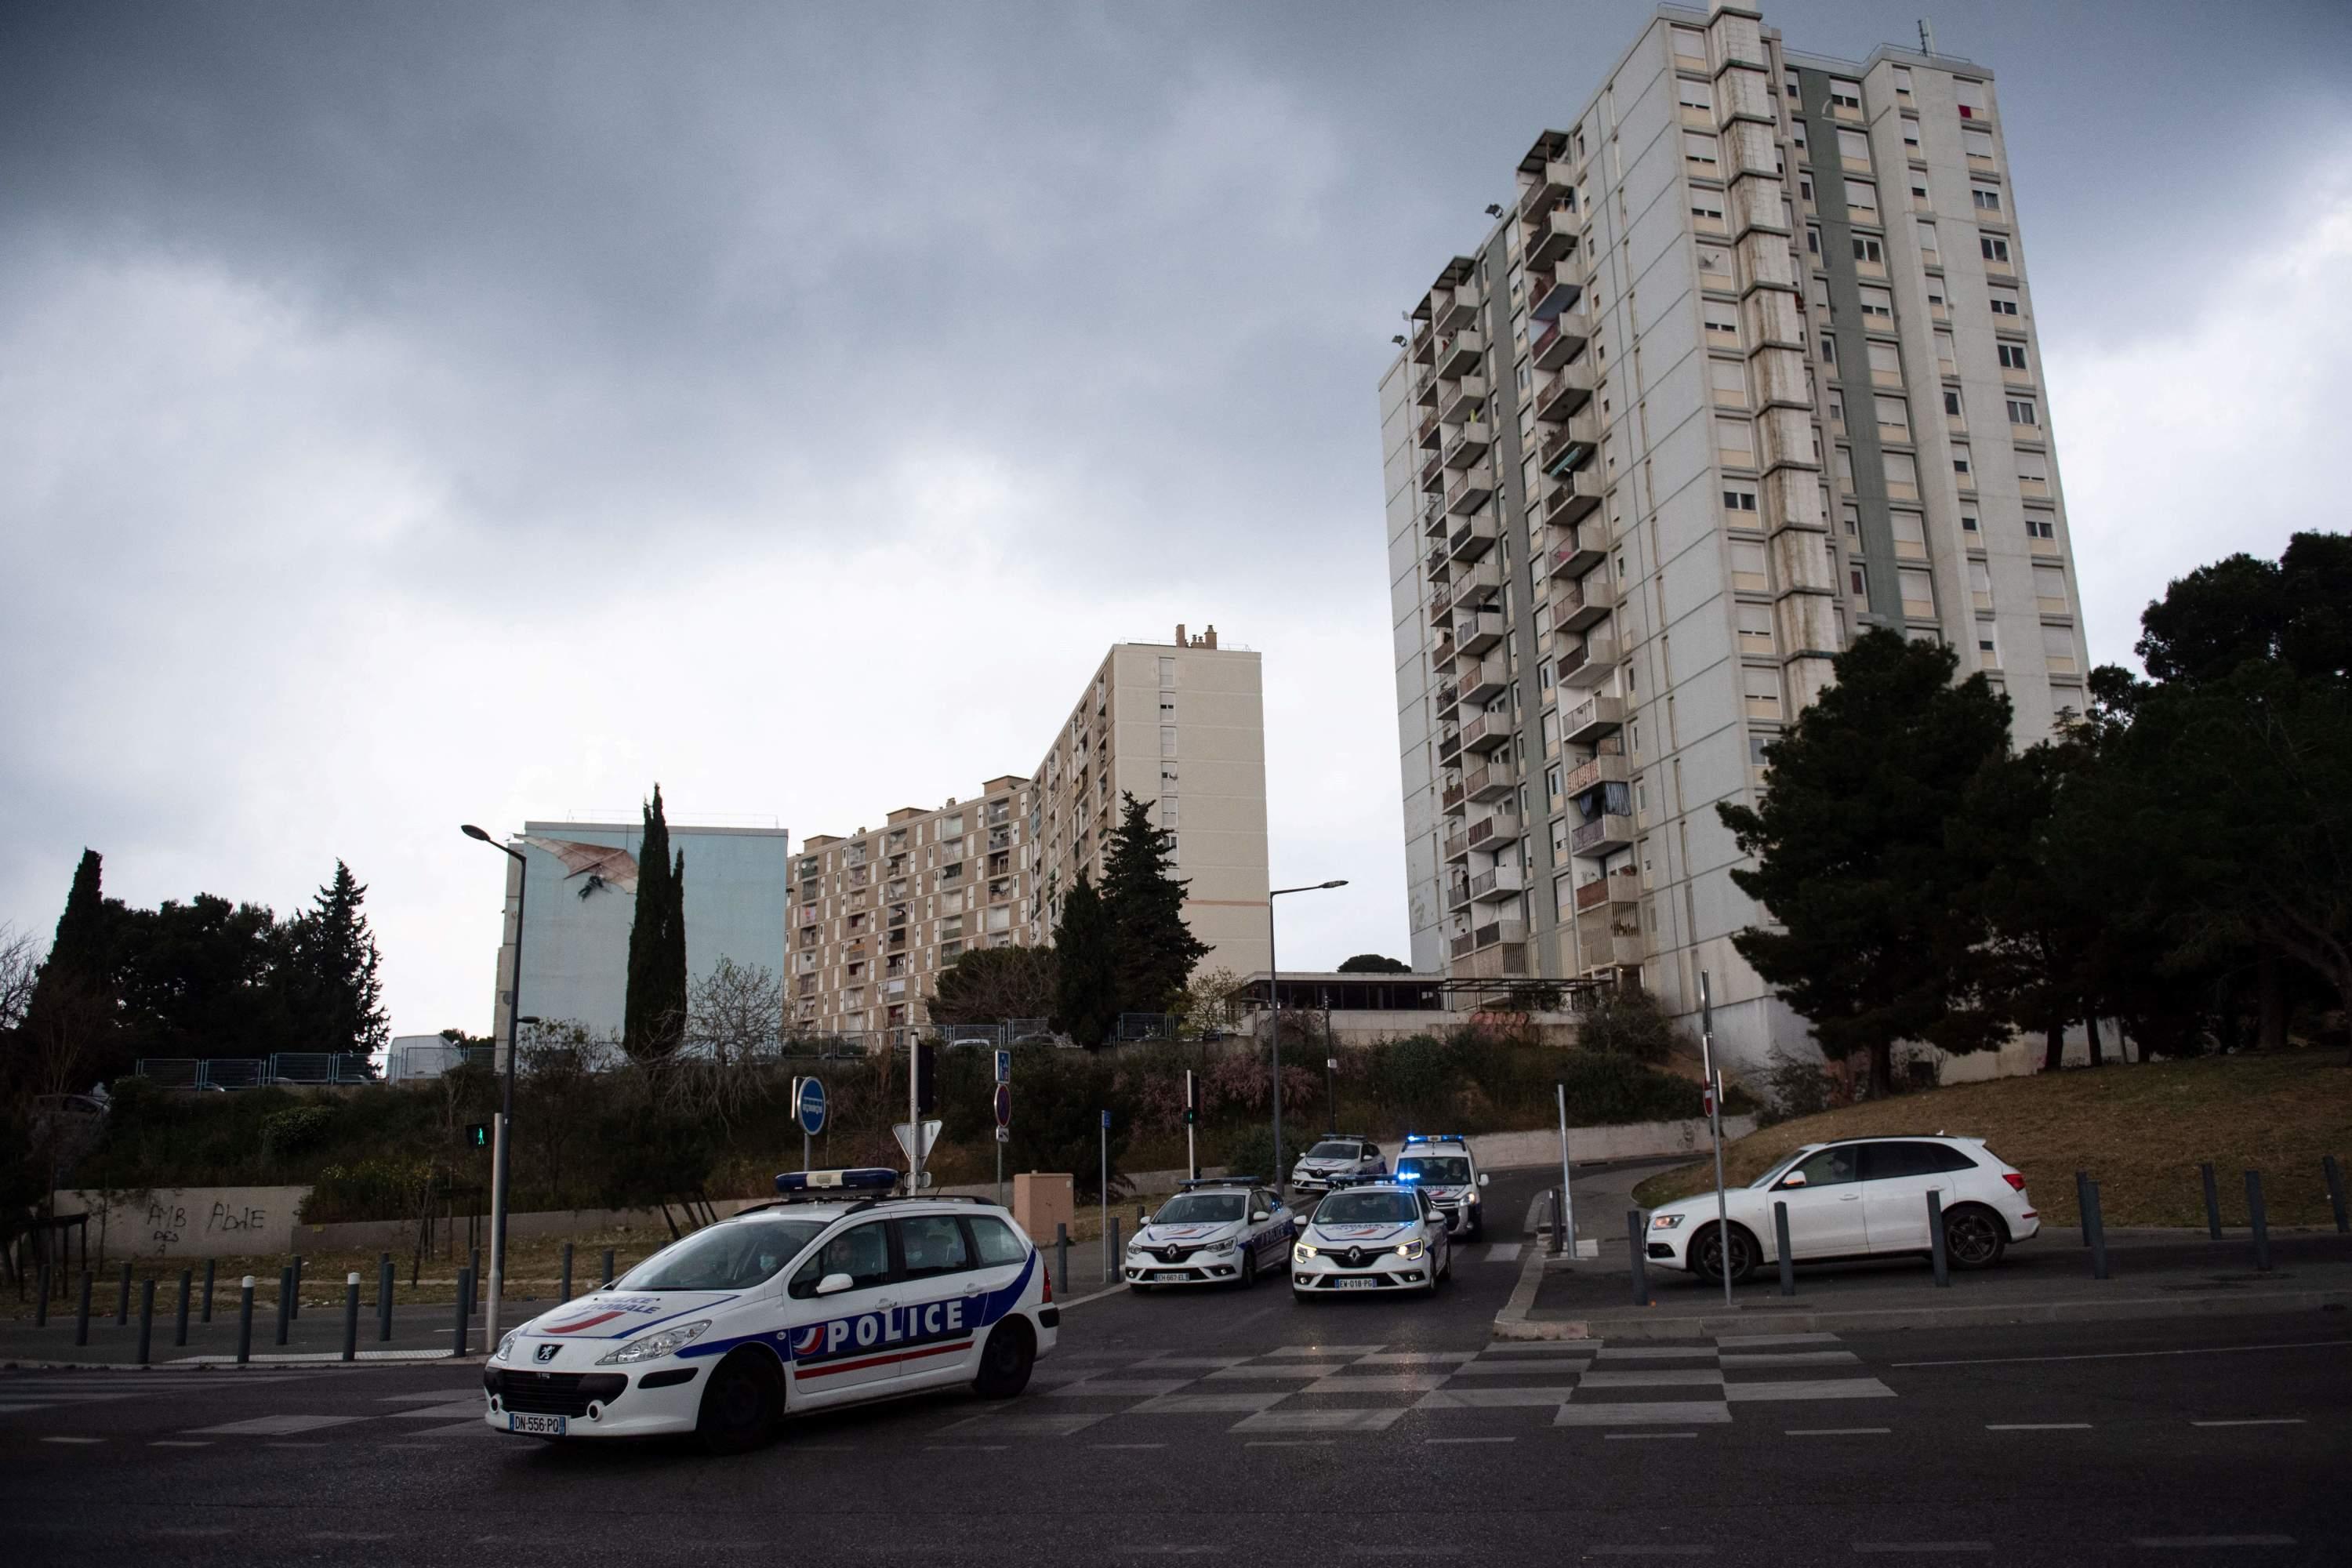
(20, 966)
(736, 1014)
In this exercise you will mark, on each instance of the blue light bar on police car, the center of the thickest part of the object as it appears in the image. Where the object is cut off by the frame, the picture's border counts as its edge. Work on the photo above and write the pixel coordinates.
(1222, 1181)
(1434, 1138)
(855, 1176)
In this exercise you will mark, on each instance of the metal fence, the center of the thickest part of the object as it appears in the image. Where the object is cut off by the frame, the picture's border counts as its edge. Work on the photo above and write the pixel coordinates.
(296, 1067)
(1134, 1027)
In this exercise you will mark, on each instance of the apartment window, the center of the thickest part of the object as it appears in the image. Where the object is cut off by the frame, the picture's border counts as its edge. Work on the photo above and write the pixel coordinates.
(1715, 267)
(1735, 441)
(1967, 522)
(2040, 527)
(2058, 649)
(1894, 419)
(1910, 535)
(2049, 590)
(1918, 595)
(1846, 469)
(1739, 500)
(1945, 361)
(1977, 145)
(1797, 134)
(1748, 574)
(1902, 476)
(1994, 246)
(1910, 134)
(1763, 691)
(1845, 95)
(1167, 739)
(1788, 86)
(1927, 242)
(1813, 241)
(1877, 304)
(1722, 324)
(1988, 648)
(1706, 205)
(1167, 812)
(1885, 364)
(1866, 249)
(1837, 413)
(1862, 200)
(1829, 349)
(1901, 74)
(1699, 152)
(2012, 356)
(2004, 303)
(1851, 517)
(1860, 582)
(1552, 783)
(1729, 379)
(2021, 412)
(1853, 147)
(1985, 198)
(1981, 584)
(1756, 630)
(1690, 44)
(1696, 95)
(1919, 202)
(1961, 460)
(1168, 708)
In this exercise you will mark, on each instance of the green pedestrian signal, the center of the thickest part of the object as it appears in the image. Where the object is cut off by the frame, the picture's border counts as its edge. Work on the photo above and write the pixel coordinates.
(477, 1135)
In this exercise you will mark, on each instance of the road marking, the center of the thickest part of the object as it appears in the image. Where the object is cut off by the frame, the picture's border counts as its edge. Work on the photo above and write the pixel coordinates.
(74, 1440)
(1096, 1387)
(1350, 1350)
(1504, 1252)
(1291, 1443)
(1662, 1378)
(1790, 1358)
(178, 1443)
(2256, 1421)
(2163, 1541)
(1210, 1403)
(1417, 1358)
(275, 1426)
(2037, 1426)
(1661, 1413)
(1127, 1445)
(1839, 1431)
(2130, 1355)
(963, 1447)
(1758, 1341)
(1922, 1546)
(1448, 1442)
(1319, 1421)
(1657, 1353)
(1636, 1436)
(1691, 1550)
(346, 1535)
(1494, 1398)
(1082, 1301)
(1807, 1388)
(1387, 1383)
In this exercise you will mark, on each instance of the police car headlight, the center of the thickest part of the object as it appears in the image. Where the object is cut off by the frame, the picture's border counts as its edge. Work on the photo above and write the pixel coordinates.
(1302, 1252)
(505, 1345)
(653, 1347)
(1413, 1250)
(1666, 1220)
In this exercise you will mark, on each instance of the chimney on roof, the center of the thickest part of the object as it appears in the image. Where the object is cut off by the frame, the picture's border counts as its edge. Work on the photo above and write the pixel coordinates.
(1179, 634)
(1211, 640)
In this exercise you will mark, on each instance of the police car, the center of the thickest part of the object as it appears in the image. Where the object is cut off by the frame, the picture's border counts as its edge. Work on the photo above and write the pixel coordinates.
(1370, 1234)
(1336, 1155)
(836, 1294)
(1216, 1231)
(1441, 1164)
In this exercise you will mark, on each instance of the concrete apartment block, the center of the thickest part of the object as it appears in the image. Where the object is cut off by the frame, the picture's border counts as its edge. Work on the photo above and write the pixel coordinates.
(1747, 362)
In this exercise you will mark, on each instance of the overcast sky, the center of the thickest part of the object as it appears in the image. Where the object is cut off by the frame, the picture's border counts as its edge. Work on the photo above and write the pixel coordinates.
(412, 414)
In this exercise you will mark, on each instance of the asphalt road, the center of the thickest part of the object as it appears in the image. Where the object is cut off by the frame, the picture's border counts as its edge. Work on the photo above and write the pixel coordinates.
(1222, 1423)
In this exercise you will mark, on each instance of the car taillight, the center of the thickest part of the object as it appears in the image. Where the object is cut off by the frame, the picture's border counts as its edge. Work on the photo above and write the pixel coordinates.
(1046, 1275)
(2014, 1179)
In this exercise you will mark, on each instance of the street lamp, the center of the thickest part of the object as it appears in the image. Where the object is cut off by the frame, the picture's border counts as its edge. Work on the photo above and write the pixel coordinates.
(499, 1151)
(1274, 1003)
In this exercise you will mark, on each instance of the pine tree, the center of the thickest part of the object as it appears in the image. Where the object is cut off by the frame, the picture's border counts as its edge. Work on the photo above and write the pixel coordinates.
(339, 993)
(72, 1016)
(1086, 985)
(1152, 950)
(654, 1015)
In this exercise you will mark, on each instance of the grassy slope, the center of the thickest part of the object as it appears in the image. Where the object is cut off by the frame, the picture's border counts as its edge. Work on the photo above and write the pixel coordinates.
(2139, 1130)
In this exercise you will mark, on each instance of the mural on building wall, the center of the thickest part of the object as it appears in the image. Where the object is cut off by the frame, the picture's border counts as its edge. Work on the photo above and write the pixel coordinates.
(601, 865)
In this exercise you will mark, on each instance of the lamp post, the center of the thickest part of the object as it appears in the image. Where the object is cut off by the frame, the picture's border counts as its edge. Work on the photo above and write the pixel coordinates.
(1274, 1005)
(504, 1125)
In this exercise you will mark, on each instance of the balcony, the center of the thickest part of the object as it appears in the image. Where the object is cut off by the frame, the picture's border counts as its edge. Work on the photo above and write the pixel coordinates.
(1432, 475)
(1574, 552)
(1455, 795)
(1615, 951)
(1584, 603)
(1461, 402)
(1605, 835)
(1457, 852)
(1484, 681)
(1426, 435)
(1551, 293)
(1593, 772)
(1485, 732)
(1564, 393)
(1449, 742)
(1473, 539)
(1424, 389)
(1591, 719)
(1487, 785)
(1495, 931)
(1572, 445)
(1433, 516)
(1589, 664)
(1423, 340)
(1551, 236)
(1458, 307)
(1562, 339)
(1457, 893)
(1442, 656)
(1552, 182)
(1500, 883)
(1469, 489)
(1622, 888)
(1571, 498)
(1495, 831)
(1477, 584)
(1476, 631)
(1460, 355)
(1468, 443)
(1441, 607)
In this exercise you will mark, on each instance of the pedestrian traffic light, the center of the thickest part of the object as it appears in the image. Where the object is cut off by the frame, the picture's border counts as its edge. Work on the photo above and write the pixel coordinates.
(477, 1135)
(1192, 1100)
(927, 1081)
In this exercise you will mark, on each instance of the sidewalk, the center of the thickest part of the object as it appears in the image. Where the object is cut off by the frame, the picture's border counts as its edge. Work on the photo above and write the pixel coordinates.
(418, 1333)
(2151, 1274)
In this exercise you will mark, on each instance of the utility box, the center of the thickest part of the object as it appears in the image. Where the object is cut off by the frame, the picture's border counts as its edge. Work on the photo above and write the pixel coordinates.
(1042, 1200)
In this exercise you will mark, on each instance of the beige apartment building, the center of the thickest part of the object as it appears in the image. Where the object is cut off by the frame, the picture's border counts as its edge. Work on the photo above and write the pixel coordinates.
(1746, 362)
(876, 915)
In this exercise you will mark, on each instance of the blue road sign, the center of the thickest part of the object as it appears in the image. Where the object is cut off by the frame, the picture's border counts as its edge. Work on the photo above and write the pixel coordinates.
(1106, 1115)
(811, 1107)
(1005, 1067)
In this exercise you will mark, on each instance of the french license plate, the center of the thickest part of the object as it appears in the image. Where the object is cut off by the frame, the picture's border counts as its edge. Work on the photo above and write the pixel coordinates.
(1355, 1284)
(1170, 1274)
(536, 1426)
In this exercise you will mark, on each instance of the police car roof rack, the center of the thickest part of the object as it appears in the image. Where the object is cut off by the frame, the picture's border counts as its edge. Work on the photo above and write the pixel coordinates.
(1220, 1182)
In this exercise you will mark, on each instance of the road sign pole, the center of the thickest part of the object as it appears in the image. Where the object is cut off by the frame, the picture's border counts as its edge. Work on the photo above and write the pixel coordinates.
(1104, 1195)
(914, 1115)
(1191, 1111)
(1714, 1129)
(1566, 1197)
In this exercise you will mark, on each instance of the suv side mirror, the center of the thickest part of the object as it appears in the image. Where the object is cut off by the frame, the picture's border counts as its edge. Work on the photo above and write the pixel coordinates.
(1793, 1179)
(1298, 1222)
(1483, 1178)
(833, 1284)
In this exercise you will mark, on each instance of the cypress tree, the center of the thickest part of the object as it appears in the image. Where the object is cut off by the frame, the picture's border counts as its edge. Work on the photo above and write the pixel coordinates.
(1086, 983)
(339, 994)
(654, 1015)
(1152, 950)
(80, 964)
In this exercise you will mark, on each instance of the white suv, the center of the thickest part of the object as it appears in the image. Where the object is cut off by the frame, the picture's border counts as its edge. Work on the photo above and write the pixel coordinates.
(1441, 1164)
(1339, 1156)
(1858, 1197)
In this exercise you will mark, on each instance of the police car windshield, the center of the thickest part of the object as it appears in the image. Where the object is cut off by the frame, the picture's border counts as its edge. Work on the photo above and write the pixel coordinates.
(1332, 1151)
(1200, 1208)
(1437, 1170)
(1368, 1208)
(731, 1256)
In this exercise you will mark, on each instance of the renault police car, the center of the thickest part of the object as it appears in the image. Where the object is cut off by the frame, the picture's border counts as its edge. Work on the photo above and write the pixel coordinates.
(1219, 1230)
(1371, 1234)
(1441, 1164)
(831, 1296)
(1337, 1155)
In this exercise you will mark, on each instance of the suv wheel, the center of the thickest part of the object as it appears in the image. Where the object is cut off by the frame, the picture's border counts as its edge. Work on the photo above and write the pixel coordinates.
(1974, 1237)
(1706, 1256)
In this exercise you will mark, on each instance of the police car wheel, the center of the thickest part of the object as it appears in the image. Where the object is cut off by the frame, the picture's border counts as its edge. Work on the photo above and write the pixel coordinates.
(1477, 1227)
(1249, 1269)
(741, 1404)
(1006, 1360)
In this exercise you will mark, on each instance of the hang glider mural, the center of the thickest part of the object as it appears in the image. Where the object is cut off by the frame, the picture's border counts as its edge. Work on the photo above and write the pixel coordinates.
(603, 864)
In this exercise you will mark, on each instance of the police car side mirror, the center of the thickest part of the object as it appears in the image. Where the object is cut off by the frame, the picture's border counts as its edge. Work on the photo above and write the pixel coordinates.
(1260, 1215)
(1298, 1221)
(833, 1284)
(1483, 1178)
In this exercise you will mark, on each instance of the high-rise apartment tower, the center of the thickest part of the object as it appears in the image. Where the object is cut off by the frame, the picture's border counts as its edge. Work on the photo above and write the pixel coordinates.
(1748, 363)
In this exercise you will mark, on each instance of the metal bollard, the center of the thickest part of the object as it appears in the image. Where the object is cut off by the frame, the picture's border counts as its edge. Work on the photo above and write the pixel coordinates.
(2261, 1221)
(146, 1318)
(285, 1301)
(41, 1307)
(2082, 1203)
(2335, 1174)
(351, 1316)
(1935, 1238)
(245, 1321)
(608, 1268)
(383, 1280)
(474, 1272)
(1641, 1274)
(206, 1316)
(2093, 1231)
(81, 1312)
(2212, 1200)
(1060, 1257)
(566, 1295)
(1558, 1231)
(458, 1332)
(180, 1325)
(123, 1300)
(1788, 1260)
(1110, 1252)
(294, 1308)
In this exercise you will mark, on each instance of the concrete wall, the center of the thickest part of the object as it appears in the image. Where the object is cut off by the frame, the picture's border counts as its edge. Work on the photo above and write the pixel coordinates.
(189, 1221)
(1634, 1140)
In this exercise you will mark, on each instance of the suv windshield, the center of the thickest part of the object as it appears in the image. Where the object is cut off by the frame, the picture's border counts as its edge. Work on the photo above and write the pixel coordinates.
(1368, 1208)
(1332, 1151)
(1443, 1171)
(734, 1256)
(1200, 1208)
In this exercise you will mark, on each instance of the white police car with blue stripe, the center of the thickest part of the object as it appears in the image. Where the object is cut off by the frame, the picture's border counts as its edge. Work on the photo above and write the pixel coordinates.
(826, 1297)
(1216, 1231)
(1372, 1234)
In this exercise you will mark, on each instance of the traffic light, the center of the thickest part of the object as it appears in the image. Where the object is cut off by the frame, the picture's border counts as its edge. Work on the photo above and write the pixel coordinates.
(477, 1135)
(926, 1080)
